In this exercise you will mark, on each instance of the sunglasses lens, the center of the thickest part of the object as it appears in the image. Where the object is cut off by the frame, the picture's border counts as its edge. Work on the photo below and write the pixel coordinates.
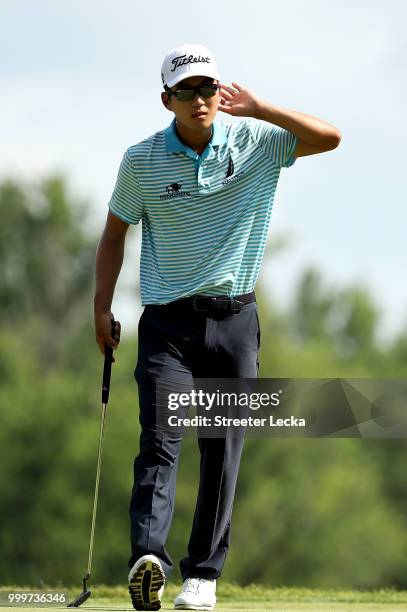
(185, 95)
(207, 92)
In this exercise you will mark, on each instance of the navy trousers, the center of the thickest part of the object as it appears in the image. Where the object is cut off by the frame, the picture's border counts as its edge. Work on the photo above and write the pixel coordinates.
(175, 346)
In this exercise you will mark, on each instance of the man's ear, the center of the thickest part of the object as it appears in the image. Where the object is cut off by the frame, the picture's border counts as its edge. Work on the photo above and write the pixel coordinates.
(165, 99)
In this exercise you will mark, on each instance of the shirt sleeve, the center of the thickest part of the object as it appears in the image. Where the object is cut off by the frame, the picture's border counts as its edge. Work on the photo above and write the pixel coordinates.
(278, 144)
(126, 201)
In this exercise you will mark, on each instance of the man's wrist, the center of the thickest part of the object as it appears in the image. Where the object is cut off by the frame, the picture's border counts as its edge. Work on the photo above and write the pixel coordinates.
(263, 111)
(101, 307)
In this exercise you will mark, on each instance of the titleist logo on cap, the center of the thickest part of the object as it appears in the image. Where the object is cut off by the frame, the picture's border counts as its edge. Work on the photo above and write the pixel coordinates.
(187, 61)
(182, 60)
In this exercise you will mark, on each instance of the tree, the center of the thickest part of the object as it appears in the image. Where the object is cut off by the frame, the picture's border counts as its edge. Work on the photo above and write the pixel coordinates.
(46, 262)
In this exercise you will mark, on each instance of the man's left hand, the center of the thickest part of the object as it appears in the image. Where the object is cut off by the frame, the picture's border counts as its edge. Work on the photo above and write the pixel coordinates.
(238, 101)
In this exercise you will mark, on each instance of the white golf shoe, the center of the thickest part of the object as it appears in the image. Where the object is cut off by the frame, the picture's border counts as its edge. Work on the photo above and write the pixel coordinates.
(196, 594)
(146, 583)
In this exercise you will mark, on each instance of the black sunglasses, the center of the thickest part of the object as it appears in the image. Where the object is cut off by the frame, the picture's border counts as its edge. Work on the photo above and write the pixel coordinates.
(188, 94)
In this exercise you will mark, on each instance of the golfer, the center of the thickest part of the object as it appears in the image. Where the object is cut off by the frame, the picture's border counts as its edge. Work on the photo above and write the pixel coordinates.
(203, 190)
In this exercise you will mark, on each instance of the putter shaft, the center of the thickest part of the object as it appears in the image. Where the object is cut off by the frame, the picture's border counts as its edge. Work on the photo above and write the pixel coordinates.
(107, 368)
(95, 500)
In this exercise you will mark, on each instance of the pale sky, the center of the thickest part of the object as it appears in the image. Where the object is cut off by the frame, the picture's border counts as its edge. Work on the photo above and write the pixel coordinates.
(80, 82)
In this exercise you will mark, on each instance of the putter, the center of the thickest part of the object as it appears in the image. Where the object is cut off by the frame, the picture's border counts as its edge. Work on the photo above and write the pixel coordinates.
(107, 368)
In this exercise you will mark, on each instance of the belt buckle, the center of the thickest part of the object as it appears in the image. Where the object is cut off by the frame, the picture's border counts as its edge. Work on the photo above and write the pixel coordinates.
(227, 304)
(220, 303)
(236, 305)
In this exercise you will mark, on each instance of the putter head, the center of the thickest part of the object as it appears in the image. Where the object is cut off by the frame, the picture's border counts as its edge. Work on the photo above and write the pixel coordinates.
(80, 599)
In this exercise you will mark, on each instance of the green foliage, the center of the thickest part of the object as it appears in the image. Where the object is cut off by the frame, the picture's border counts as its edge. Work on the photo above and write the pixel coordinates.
(46, 262)
(326, 513)
(314, 510)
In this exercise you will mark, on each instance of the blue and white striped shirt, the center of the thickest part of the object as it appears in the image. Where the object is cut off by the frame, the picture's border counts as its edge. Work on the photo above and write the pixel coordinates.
(205, 218)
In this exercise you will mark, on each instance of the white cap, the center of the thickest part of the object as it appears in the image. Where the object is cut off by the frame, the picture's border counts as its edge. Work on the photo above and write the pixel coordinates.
(188, 61)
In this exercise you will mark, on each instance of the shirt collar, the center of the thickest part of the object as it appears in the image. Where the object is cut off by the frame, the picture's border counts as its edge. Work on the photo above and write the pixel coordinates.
(174, 145)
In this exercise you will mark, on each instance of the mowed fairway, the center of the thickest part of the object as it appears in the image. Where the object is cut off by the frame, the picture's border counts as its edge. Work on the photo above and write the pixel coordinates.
(232, 597)
(244, 605)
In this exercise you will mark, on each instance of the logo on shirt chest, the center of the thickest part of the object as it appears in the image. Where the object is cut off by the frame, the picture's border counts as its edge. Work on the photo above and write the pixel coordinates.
(231, 167)
(229, 178)
(174, 191)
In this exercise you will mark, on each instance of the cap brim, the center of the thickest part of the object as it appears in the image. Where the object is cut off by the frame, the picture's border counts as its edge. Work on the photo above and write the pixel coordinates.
(192, 73)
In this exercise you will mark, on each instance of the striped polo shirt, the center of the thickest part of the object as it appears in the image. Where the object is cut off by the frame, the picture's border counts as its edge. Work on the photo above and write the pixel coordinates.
(205, 218)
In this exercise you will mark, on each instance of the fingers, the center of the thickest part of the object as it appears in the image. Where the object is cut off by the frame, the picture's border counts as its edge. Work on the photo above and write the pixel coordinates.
(225, 109)
(237, 110)
(232, 91)
(115, 336)
(102, 346)
(223, 102)
(117, 332)
(228, 100)
(226, 92)
(105, 335)
(225, 99)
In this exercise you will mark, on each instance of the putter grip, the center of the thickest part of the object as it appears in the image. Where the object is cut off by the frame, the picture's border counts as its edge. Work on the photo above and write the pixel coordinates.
(107, 369)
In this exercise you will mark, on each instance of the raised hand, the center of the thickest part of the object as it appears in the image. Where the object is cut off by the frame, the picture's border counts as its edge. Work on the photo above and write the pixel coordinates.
(238, 101)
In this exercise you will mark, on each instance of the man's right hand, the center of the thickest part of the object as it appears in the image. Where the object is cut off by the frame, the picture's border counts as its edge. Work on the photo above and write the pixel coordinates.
(103, 330)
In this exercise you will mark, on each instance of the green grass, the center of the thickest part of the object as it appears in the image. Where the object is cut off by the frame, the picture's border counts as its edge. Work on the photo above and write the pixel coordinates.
(255, 597)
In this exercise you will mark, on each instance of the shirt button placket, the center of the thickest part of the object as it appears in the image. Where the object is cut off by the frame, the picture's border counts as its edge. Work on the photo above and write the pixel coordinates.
(201, 179)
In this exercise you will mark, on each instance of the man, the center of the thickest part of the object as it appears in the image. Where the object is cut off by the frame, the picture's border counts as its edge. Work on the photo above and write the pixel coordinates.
(204, 192)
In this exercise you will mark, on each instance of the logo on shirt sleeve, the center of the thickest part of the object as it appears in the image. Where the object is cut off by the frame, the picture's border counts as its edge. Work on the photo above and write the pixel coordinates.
(174, 191)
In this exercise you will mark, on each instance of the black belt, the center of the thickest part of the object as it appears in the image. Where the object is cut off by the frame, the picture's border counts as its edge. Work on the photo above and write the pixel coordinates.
(204, 303)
